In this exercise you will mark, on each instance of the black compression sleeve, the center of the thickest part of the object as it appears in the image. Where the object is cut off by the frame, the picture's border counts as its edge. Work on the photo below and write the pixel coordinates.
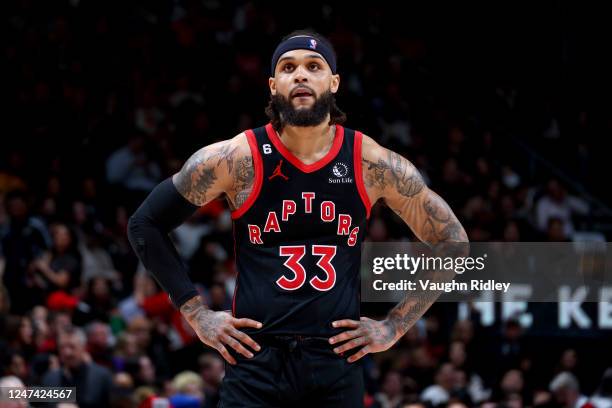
(148, 228)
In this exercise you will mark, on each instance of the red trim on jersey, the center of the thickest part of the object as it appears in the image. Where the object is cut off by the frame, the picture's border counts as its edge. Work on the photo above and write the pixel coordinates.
(358, 173)
(237, 271)
(258, 168)
(307, 168)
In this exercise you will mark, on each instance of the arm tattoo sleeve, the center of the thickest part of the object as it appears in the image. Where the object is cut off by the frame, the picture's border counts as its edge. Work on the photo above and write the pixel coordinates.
(428, 215)
(198, 176)
(216, 170)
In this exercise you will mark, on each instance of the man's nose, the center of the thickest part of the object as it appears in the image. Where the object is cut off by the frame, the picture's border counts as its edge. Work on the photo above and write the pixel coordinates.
(300, 75)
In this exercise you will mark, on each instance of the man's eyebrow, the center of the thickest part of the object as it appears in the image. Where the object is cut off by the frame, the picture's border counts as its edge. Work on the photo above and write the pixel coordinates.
(285, 58)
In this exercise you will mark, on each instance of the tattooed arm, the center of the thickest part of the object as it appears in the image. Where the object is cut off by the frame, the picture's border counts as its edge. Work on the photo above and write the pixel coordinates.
(224, 168)
(392, 178)
(221, 169)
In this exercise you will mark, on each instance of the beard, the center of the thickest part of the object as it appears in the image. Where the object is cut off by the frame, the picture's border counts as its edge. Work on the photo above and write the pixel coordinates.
(312, 116)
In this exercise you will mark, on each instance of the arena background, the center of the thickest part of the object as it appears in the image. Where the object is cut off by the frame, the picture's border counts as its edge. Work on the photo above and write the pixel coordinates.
(505, 110)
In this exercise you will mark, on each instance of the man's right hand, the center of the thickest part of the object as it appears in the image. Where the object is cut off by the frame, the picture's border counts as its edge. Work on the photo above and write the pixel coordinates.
(218, 329)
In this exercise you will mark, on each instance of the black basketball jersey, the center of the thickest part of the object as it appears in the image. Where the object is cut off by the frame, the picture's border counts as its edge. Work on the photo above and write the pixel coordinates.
(298, 235)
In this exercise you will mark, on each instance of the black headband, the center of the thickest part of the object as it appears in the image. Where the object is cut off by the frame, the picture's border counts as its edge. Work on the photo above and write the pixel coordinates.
(304, 42)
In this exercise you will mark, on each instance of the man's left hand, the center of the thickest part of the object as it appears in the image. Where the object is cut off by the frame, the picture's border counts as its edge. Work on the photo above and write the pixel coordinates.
(372, 336)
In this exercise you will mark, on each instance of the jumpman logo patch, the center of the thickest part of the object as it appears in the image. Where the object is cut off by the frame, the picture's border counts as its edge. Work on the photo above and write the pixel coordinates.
(278, 172)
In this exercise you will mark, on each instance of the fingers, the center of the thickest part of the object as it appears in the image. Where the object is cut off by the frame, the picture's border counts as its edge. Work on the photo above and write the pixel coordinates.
(351, 324)
(360, 341)
(347, 335)
(359, 354)
(225, 354)
(244, 322)
(236, 345)
(245, 338)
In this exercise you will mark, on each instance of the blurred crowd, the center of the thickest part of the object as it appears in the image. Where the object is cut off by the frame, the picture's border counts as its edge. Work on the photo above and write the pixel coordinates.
(105, 100)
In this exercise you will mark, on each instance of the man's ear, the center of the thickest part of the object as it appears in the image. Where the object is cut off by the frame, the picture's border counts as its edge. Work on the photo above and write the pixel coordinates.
(335, 83)
(272, 85)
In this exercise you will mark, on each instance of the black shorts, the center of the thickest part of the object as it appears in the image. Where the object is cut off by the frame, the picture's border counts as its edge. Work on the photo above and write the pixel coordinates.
(292, 372)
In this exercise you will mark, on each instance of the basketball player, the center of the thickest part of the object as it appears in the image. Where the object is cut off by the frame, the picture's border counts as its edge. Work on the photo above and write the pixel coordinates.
(300, 189)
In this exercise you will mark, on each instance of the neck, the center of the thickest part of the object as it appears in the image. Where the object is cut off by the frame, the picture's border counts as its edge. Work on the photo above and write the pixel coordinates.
(308, 142)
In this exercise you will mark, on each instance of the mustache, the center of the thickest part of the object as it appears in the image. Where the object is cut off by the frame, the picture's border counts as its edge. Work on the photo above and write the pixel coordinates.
(302, 88)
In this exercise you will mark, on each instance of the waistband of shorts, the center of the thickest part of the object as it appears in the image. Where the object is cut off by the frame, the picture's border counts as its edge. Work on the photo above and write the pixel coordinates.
(291, 341)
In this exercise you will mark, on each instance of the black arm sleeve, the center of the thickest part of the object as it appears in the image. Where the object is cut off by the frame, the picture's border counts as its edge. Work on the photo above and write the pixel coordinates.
(148, 228)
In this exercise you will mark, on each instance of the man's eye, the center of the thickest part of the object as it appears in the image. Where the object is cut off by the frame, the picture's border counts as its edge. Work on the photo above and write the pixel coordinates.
(287, 67)
(314, 66)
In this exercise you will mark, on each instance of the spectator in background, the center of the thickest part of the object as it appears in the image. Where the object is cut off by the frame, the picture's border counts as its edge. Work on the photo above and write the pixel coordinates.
(42, 331)
(148, 115)
(474, 384)
(146, 372)
(19, 335)
(60, 269)
(58, 320)
(421, 366)
(99, 343)
(84, 221)
(460, 391)
(391, 391)
(511, 386)
(120, 250)
(140, 328)
(100, 299)
(142, 370)
(125, 351)
(144, 287)
(439, 392)
(15, 364)
(10, 381)
(145, 397)
(188, 390)
(123, 388)
(511, 347)
(188, 236)
(97, 262)
(556, 231)
(131, 167)
(92, 381)
(23, 242)
(218, 298)
(556, 203)
(511, 232)
(463, 331)
(212, 371)
(569, 362)
(566, 391)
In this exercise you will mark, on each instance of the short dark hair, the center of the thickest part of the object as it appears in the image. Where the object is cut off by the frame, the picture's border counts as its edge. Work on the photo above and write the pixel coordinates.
(337, 116)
